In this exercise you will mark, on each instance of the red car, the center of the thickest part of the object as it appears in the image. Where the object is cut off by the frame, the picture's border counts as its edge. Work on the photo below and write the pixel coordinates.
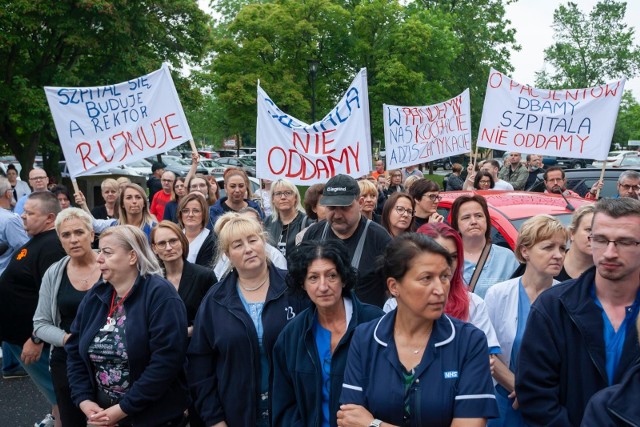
(509, 209)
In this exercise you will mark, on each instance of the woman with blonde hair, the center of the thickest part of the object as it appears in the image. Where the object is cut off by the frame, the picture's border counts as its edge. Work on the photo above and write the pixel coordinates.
(369, 200)
(110, 190)
(287, 218)
(126, 352)
(579, 257)
(541, 245)
(238, 195)
(133, 209)
(236, 328)
(64, 285)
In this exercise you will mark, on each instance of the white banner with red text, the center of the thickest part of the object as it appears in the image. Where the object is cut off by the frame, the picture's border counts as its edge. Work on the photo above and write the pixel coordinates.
(308, 154)
(574, 123)
(415, 135)
(103, 127)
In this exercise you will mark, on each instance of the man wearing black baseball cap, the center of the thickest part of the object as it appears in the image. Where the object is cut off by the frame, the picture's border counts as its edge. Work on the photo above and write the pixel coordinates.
(365, 240)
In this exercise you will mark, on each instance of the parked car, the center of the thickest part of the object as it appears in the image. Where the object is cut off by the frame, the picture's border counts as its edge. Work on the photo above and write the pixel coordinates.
(243, 163)
(208, 154)
(444, 163)
(180, 166)
(564, 162)
(581, 181)
(121, 170)
(141, 166)
(630, 162)
(213, 167)
(227, 153)
(615, 158)
(510, 209)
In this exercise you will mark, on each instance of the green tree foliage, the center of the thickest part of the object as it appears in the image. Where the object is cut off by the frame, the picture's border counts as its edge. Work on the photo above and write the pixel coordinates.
(589, 49)
(628, 123)
(85, 43)
(414, 53)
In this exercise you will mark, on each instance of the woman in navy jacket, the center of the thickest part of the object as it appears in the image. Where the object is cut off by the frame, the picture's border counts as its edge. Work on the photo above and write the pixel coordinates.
(128, 342)
(311, 353)
(416, 366)
(236, 328)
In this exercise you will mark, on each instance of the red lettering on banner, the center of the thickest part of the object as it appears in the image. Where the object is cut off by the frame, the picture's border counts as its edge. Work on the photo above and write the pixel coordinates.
(84, 155)
(496, 136)
(312, 144)
(295, 164)
(495, 82)
(132, 145)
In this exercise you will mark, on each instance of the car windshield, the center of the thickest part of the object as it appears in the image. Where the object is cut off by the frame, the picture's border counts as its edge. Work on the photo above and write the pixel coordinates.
(564, 218)
(631, 161)
(247, 161)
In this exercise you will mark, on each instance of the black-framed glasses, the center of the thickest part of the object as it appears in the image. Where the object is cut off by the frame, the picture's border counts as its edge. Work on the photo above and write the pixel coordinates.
(434, 197)
(287, 194)
(601, 242)
(400, 210)
(171, 242)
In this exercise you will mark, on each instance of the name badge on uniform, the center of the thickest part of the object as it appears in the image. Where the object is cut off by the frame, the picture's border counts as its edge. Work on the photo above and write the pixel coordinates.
(448, 375)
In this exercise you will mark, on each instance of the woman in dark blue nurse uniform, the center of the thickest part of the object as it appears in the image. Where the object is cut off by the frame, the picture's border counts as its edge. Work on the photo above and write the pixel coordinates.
(416, 366)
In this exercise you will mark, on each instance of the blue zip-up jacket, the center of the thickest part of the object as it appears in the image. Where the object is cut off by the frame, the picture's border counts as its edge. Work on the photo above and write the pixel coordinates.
(297, 368)
(216, 211)
(224, 354)
(453, 379)
(562, 361)
(616, 406)
(156, 336)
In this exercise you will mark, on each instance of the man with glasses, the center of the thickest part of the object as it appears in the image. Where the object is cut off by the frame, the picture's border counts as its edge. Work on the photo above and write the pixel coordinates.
(161, 198)
(629, 184)
(580, 335)
(38, 180)
(365, 240)
(555, 182)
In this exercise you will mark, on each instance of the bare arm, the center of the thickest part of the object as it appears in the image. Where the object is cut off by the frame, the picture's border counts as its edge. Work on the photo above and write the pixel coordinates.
(195, 159)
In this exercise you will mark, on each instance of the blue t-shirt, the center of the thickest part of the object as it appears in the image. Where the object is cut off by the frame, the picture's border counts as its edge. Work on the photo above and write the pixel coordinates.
(323, 344)
(614, 340)
(500, 266)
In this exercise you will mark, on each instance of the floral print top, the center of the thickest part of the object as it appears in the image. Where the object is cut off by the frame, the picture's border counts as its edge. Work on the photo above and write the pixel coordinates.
(108, 355)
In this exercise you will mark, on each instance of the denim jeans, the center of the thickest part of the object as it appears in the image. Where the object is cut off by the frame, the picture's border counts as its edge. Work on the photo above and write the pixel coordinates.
(38, 371)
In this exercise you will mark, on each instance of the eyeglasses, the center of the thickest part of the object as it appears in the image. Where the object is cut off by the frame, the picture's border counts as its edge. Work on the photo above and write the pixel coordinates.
(401, 211)
(163, 244)
(484, 182)
(186, 211)
(627, 187)
(286, 194)
(433, 197)
(601, 242)
(38, 178)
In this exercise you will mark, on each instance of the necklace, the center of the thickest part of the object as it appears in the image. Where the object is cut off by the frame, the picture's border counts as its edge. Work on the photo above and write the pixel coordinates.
(85, 281)
(254, 288)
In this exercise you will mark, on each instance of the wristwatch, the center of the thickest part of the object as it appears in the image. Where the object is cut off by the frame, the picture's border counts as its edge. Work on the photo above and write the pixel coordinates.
(36, 340)
(375, 423)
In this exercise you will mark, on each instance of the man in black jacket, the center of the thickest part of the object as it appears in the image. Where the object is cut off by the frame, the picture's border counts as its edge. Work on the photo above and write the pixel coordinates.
(580, 335)
(20, 287)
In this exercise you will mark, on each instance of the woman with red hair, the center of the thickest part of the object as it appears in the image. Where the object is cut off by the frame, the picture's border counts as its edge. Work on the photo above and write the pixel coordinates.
(461, 303)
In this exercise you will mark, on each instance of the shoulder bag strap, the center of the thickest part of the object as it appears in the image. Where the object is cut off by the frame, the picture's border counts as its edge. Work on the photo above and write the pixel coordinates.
(355, 261)
(476, 273)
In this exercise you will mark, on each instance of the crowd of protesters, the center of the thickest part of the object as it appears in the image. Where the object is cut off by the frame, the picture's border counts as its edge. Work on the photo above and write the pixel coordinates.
(355, 304)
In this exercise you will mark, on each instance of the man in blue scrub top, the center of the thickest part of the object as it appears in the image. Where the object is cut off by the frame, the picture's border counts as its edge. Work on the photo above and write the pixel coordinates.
(581, 335)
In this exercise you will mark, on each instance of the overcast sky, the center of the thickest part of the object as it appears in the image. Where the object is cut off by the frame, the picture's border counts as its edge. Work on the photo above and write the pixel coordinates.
(532, 20)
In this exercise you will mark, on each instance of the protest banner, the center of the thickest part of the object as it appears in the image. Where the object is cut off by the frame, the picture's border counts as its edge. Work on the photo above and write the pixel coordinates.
(575, 123)
(305, 154)
(415, 135)
(106, 126)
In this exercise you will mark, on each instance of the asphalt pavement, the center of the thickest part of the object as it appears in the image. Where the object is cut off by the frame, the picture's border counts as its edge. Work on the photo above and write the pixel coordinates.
(21, 404)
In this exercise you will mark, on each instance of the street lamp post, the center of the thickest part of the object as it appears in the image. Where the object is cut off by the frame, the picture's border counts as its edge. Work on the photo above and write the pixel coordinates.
(313, 71)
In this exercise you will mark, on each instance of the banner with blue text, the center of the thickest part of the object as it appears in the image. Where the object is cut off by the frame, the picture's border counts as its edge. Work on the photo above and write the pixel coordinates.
(105, 126)
(308, 154)
(574, 123)
(415, 135)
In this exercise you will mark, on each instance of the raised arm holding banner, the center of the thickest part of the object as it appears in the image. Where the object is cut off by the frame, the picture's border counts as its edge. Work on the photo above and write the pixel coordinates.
(575, 123)
(105, 126)
(305, 154)
(415, 135)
